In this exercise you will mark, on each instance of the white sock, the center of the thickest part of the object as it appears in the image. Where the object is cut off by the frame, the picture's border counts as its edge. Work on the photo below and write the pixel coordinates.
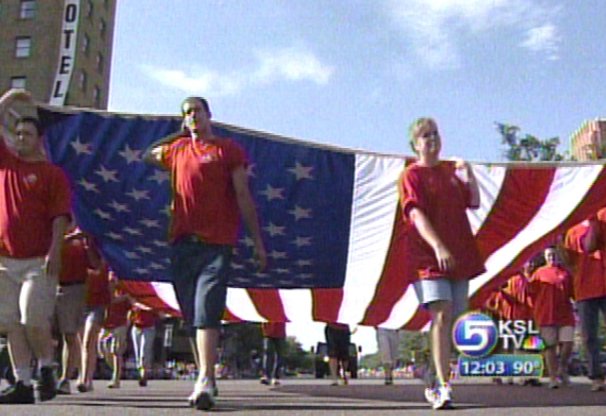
(24, 375)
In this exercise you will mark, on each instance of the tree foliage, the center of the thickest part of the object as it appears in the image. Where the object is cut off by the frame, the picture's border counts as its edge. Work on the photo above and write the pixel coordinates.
(527, 147)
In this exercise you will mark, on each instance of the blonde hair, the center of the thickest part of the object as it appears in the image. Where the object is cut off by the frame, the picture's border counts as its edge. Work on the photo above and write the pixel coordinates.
(414, 128)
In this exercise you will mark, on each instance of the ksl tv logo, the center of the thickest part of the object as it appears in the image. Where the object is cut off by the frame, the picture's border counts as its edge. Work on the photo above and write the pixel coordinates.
(476, 335)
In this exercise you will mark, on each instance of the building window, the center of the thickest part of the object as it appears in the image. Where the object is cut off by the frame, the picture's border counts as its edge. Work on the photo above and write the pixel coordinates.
(97, 96)
(102, 27)
(27, 9)
(85, 44)
(82, 80)
(100, 62)
(18, 82)
(23, 46)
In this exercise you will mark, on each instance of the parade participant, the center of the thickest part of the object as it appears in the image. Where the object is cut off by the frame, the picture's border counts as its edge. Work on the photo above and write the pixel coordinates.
(551, 291)
(586, 249)
(274, 338)
(98, 297)
(210, 193)
(71, 303)
(115, 330)
(143, 332)
(338, 338)
(440, 243)
(34, 214)
(388, 341)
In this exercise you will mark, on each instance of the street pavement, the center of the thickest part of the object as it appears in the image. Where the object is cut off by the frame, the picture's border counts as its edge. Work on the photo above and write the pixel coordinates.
(317, 397)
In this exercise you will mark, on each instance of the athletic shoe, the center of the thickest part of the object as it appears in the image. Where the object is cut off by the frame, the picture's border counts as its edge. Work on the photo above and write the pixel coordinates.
(275, 382)
(47, 385)
(430, 395)
(202, 398)
(114, 384)
(264, 380)
(553, 384)
(83, 388)
(597, 385)
(63, 387)
(388, 381)
(443, 398)
(143, 382)
(18, 393)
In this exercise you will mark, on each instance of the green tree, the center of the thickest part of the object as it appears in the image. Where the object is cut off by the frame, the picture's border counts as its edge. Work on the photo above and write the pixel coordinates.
(527, 147)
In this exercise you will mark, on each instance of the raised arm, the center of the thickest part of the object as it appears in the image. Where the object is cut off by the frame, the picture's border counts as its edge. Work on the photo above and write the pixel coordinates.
(153, 154)
(249, 213)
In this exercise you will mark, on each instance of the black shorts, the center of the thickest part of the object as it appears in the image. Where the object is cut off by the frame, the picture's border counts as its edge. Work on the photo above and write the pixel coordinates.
(337, 342)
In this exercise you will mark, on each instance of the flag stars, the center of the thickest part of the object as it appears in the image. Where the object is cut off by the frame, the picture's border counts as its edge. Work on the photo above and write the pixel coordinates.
(89, 186)
(247, 241)
(159, 243)
(272, 193)
(156, 266)
(277, 255)
(81, 148)
(159, 176)
(300, 213)
(141, 270)
(108, 175)
(114, 236)
(102, 214)
(302, 241)
(150, 223)
(119, 207)
(130, 155)
(137, 195)
(301, 172)
(281, 270)
(303, 263)
(250, 170)
(132, 231)
(131, 255)
(274, 229)
(144, 250)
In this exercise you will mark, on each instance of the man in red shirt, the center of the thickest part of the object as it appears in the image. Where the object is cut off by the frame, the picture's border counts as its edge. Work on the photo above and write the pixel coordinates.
(34, 214)
(586, 248)
(210, 193)
(551, 291)
(434, 199)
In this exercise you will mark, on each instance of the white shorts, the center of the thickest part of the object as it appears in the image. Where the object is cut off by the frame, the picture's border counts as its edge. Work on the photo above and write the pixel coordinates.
(388, 341)
(553, 334)
(433, 290)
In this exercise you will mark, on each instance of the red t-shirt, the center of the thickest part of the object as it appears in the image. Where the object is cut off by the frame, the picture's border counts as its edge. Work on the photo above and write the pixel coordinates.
(589, 268)
(143, 318)
(97, 287)
(516, 291)
(74, 261)
(32, 195)
(273, 329)
(443, 198)
(117, 313)
(204, 201)
(551, 289)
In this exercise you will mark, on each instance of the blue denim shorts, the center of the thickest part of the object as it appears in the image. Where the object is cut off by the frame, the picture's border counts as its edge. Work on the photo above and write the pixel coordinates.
(199, 273)
(455, 291)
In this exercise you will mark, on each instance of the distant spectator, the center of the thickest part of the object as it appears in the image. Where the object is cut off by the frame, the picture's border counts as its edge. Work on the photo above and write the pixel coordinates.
(274, 336)
(143, 333)
(388, 341)
(337, 340)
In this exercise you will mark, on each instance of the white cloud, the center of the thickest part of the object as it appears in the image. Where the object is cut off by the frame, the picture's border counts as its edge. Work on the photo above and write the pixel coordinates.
(291, 64)
(543, 38)
(436, 28)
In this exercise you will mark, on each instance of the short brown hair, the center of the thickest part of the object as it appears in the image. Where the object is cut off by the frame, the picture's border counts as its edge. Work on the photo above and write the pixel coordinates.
(414, 128)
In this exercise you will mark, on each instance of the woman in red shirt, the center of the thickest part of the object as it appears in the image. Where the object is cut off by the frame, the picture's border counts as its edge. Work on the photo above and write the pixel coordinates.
(551, 291)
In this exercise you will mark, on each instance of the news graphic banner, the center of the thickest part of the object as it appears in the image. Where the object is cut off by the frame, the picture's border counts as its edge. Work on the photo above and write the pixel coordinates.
(477, 336)
(329, 217)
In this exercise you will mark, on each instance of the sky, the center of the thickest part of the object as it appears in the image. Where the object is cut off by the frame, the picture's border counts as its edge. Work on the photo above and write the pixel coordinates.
(356, 73)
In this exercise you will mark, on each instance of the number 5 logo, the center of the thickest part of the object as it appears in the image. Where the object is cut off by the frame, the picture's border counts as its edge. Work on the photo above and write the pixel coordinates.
(475, 334)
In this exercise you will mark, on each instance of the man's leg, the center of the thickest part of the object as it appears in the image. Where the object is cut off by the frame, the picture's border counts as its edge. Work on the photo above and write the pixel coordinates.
(589, 313)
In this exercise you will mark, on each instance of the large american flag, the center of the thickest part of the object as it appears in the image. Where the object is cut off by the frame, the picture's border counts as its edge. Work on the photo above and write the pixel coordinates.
(329, 217)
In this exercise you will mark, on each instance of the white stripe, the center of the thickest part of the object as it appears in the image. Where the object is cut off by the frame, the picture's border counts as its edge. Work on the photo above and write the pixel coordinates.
(403, 310)
(490, 181)
(298, 305)
(166, 293)
(374, 204)
(568, 188)
(241, 305)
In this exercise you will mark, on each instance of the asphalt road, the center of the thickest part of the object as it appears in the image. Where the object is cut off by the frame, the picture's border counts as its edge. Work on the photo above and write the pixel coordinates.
(316, 397)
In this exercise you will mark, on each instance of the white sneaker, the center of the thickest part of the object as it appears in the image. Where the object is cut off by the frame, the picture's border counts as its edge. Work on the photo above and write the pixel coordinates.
(430, 395)
(202, 398)
(443, 398)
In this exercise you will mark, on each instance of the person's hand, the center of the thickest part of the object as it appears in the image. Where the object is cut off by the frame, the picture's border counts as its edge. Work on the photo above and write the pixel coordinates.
(446, 261)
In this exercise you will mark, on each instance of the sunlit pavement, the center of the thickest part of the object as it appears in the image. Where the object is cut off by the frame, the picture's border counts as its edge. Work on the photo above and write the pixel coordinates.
(317, 397)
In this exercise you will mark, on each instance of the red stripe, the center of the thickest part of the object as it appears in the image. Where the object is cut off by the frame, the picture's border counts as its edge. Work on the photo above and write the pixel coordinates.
(326, 303)
(522, 194)
(394, 280)
(268, 304)
(230, 317)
